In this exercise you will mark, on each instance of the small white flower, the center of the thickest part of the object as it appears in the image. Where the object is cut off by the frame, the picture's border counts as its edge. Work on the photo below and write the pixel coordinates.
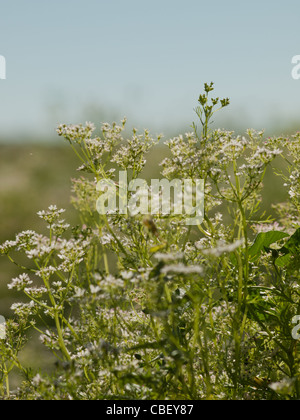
(267, 227)
(127, 275)
(19, 283)
(46, 272)
(182, 269)
(106, 239)
(35, 292)
(94, 289)
(7, 247)
(221, 248)
(79, 292)
(23, 309)
(37, 380)
(168, 257)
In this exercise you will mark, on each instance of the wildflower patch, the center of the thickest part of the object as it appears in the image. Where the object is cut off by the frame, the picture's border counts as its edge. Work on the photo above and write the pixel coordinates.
(156, 293)
(156, 199)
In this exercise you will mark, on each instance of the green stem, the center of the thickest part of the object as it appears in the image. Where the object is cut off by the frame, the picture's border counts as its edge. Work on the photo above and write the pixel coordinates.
(60, 338)
(6, 381)
(56, 318)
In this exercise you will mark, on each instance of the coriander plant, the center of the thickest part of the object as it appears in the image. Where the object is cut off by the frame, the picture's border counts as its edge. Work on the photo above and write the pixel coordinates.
(144, 307)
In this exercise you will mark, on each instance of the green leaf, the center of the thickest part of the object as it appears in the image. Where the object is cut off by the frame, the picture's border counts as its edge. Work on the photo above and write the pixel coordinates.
(284, 260)
(290, 249)
(293, 244)
(264, 240)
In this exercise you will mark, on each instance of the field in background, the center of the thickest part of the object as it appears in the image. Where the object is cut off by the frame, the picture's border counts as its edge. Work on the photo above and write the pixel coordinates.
(32, 177)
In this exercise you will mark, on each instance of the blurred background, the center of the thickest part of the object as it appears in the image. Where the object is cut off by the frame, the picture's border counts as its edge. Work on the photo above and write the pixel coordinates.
(70, 61)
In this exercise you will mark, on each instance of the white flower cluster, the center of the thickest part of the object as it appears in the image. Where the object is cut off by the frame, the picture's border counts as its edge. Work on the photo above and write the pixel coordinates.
(76, 133)
(293, 145)
(185, 156)
(265, 154)
(71, 253)
(131, 155)
(221, 248)
(51, 214)
(111, 136)
(39, 248)
(23, 309)
(20, 283)
(267, 227)
(182, 269)
(23, 242)
(35, 292)
(294, 185)
(232, 148)
(7, 247)
(46, 272)
(84, 195)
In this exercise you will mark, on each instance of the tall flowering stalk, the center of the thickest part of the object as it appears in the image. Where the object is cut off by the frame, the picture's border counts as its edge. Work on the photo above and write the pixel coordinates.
(133, 306)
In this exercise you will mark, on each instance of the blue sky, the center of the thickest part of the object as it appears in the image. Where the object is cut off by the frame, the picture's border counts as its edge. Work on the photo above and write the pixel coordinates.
(146, 60)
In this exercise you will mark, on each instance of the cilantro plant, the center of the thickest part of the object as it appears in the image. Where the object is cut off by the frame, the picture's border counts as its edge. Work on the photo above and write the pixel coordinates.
(136, 307)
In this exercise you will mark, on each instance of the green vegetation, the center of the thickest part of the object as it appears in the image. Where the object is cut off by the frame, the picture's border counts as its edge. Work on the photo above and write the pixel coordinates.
(134, 307)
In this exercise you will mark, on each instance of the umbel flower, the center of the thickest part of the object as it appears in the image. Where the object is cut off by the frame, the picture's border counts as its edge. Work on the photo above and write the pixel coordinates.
(19, 283)
(148, 307)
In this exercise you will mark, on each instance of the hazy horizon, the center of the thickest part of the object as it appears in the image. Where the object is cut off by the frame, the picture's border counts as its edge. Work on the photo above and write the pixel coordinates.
(68, 61)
